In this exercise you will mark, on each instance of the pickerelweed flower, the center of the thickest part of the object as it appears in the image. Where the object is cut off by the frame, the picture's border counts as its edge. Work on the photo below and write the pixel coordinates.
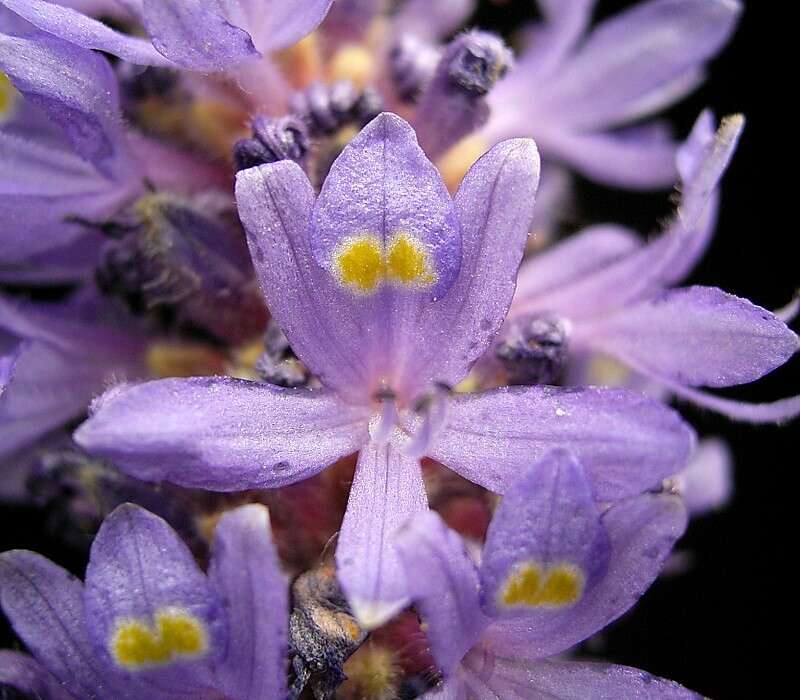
(53, 359)
(578, 94)
(555, 569)
(388, 291)
(148, 624)
(612, 295)
(67, 160)
(192, 34)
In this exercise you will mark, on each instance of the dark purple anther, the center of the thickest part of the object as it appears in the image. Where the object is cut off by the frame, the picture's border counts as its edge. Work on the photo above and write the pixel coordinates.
(412, 63)
(285, 138)
(327, 108)
(139, 83)
(477, 61)
(533, 350)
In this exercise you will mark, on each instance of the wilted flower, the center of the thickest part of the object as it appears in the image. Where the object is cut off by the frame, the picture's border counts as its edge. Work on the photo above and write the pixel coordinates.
(148, 623)
(555, 569)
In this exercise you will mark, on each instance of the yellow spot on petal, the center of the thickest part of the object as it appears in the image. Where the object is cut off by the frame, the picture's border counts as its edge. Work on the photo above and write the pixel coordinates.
(533, 586)
(360, 263)
(407, 261)
(353, 62)
(176, 635)
(8, 97)
(454, 164)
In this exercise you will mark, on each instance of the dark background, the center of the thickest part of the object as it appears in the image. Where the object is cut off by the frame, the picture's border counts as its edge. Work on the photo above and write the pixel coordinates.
(720, 627)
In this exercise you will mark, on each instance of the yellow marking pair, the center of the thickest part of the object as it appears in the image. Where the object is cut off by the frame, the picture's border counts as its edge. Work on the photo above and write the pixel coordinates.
(363, 265)
(8, 97)
(533, 586)
(176, 635)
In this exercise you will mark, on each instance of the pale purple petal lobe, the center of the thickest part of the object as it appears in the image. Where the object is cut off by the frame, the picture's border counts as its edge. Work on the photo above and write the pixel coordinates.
(275, 203)
(545, 548)
(494, 206)
(196, 34)
(387, 491)
(67, 23)
(698, 336)
(626, 443)
(634, 55)
(142, 581)
(44, 604)
(385, 230)
(447, 592)
(706, 484)
(571, 680)
(246, 574)
(642, 532)
(220, 433)
(26, 675)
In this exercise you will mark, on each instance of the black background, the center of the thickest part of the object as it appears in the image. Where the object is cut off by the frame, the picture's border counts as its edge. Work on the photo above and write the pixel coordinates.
(721, 627)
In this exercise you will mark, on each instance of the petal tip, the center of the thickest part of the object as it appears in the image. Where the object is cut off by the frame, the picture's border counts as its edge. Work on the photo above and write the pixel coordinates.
(372, 614)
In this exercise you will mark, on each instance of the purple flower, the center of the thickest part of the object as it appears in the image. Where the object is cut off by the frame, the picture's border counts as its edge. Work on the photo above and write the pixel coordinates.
(53, 359)
(388, 291)
(148, 623)
(193, 34)
(65, 157)
(577, 94)
(68, 161)
(555, 569)
(617, 297)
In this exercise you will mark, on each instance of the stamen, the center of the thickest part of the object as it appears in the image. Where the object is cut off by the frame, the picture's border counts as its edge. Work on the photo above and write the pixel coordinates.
(285, 138)
(327, 108)
(533, 350)
(382, 427)
(433, 409)
(412, 64)
(278, 365)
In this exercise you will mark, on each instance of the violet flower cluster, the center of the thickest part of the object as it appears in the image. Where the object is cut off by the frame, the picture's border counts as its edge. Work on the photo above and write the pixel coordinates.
(289, 343)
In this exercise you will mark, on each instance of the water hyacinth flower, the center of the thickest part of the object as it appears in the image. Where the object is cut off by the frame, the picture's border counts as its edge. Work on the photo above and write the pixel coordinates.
(191, 34)
(53, 359)
(577, 93)
(68, 161)
(617, 297)
(147, 623)
(388, 291)
(65, 155)
(554, 570)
